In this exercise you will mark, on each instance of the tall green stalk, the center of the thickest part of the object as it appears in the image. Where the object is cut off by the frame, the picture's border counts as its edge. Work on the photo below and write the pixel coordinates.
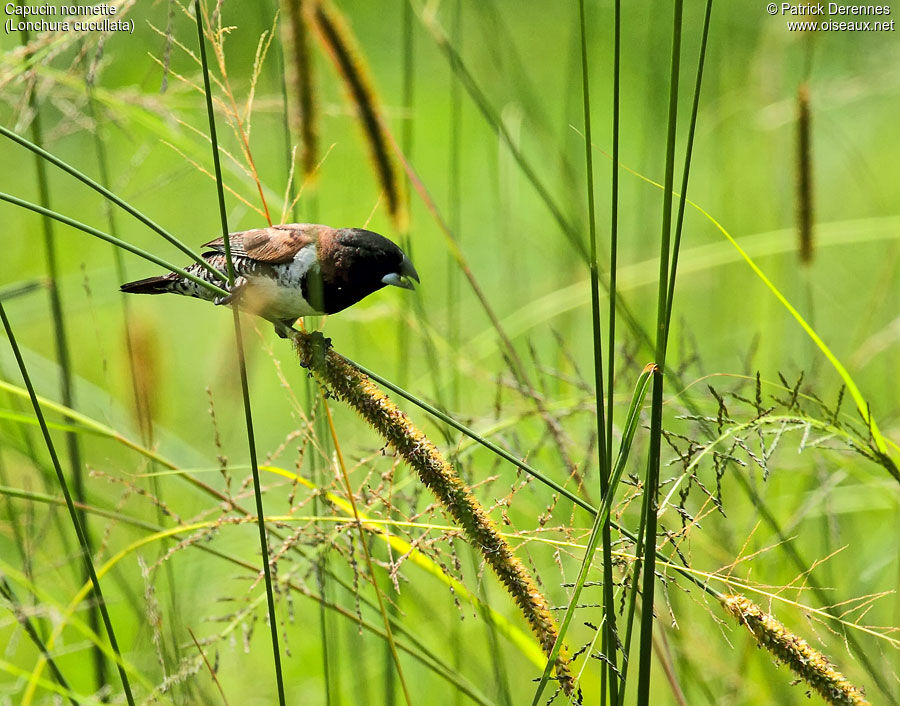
(242, 364)
(454, 200)
(60, 337)
(602, 518)
(603, 440)
(613, 227)
(682, 199)
(651, 485)
(74, 512)
(142, 414)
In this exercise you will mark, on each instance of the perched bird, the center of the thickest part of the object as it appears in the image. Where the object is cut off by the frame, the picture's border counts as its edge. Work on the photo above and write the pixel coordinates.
(298, 269)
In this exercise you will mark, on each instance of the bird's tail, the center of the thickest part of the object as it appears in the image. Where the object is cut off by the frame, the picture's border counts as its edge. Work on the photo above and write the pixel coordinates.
(150, 285)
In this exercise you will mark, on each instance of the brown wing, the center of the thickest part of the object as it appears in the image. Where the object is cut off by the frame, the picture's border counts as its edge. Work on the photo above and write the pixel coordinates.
(275, 244)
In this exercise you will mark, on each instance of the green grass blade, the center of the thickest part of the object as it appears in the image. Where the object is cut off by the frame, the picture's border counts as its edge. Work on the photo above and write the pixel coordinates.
(631, 424)
(134, 249)
(106, 193)
(651, 487)
(604, 440)
(679, 222)
(878, 438)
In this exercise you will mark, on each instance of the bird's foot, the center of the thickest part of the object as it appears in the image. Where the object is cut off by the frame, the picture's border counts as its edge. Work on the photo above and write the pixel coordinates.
(317, 346)
(234, 291)
(285, 328)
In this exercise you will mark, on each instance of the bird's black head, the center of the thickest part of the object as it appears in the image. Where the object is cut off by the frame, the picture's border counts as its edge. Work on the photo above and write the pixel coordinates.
(354, 262)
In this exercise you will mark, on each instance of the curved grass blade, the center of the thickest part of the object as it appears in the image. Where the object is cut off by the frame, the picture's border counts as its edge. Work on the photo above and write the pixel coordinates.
(106, 193)
(631, 423)
(134, 249)
(862, 406)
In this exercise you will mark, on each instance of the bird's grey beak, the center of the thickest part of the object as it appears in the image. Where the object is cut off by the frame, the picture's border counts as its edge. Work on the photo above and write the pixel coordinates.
(402, 278)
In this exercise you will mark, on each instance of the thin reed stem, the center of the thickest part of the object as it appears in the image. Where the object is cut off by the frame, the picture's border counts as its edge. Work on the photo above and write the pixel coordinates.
(106, 193)
(651, 485)
(613, 229)
(61, 341)
(140, 252)
(70, 505)
(365, 546)
(601, 519)
(689, 149)
(242, 365)
(608, 643)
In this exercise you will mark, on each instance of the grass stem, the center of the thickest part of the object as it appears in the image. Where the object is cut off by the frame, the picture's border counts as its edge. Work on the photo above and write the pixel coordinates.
(70, 505)
(651, 485)
(242, 366)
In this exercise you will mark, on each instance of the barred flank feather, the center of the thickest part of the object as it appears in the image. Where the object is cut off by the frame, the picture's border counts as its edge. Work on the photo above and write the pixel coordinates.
(808, 663)
(349, 385)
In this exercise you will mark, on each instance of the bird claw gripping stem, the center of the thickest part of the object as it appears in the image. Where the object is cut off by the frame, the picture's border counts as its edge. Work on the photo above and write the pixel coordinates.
(234, 291)
(314, 349)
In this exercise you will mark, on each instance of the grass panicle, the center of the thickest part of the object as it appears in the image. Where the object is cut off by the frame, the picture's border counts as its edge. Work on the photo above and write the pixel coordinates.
(805, 661)
(345, 382)
(601, 520)
(302, 105)
(337, 39)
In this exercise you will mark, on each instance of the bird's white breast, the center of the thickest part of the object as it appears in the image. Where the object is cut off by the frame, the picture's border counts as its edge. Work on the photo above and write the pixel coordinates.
(281, 296)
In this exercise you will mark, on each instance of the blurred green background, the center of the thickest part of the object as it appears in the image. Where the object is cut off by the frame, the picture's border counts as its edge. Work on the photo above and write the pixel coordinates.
(525, 57)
